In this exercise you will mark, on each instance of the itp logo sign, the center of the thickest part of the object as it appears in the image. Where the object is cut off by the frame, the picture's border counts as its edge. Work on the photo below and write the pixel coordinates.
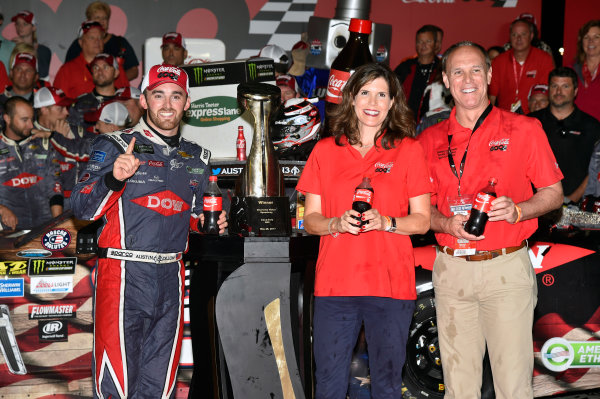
(198, 74)
(252, 71)
(558, 354)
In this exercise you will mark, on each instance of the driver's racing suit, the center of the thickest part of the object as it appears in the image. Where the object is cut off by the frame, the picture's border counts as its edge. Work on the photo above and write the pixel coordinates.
(140, 276)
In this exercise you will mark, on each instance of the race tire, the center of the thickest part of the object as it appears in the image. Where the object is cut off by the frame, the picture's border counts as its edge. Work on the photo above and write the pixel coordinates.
(422, 375)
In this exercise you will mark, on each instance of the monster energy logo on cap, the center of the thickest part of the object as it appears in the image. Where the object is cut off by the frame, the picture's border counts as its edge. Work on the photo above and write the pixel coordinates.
(252, 70)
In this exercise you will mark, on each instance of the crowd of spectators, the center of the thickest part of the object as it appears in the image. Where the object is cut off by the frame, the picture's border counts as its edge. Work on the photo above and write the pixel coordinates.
(91, 93)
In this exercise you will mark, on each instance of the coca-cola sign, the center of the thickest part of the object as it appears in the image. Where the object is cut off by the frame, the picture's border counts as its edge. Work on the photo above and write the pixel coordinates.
(337, 81)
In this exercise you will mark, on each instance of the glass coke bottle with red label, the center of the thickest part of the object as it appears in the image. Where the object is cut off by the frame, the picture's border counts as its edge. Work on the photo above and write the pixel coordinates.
(355, 53)
(363, 199)
(481, 206)
(212, 206)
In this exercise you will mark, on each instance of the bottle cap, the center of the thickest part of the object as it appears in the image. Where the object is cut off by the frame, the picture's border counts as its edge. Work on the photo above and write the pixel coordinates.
(360, 26)
(212, 178)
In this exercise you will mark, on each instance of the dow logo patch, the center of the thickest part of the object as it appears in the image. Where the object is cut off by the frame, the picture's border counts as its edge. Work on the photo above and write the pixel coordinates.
(166, 203)
(24, 180)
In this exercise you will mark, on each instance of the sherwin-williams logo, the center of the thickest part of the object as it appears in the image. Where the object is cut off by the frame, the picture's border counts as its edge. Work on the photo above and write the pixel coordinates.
(212, 111)
(558, 354)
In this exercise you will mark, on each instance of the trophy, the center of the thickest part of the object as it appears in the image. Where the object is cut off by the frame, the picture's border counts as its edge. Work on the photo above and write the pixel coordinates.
(260, 207)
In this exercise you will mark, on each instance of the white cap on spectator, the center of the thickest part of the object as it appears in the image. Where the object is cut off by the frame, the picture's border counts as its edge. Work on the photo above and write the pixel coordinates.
(109, 112)
(47, 96)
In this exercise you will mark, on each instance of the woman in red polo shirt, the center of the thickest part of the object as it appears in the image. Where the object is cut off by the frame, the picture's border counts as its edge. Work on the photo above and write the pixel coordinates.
(365, 275)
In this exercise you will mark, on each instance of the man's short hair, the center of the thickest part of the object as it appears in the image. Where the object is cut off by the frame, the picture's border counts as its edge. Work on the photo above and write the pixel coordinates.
(11, 105)
(465, 43)
(563, 72)
(429, 28)
(524, 21)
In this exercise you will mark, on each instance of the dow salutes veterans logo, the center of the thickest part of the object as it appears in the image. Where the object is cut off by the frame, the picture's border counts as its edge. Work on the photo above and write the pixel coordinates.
(56, 240)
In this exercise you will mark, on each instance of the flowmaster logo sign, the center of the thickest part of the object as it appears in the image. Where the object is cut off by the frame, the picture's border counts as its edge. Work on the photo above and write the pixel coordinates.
(558, 354)
(52, 311)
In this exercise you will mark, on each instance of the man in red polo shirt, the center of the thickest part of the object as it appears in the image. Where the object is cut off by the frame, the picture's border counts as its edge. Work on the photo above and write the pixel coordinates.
(519, 68)
(485, 286)
(74, 77)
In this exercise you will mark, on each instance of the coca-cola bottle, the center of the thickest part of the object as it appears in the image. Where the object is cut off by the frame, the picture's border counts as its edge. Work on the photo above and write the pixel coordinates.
(240, 144)
(481, 206)
(213, 205)
(355, 53)
(363, 198)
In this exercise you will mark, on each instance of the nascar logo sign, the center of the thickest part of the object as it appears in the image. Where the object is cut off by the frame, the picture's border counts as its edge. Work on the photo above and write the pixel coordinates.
(56, 240)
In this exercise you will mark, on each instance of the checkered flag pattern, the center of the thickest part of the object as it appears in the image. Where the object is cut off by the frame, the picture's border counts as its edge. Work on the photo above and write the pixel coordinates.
(279, 22)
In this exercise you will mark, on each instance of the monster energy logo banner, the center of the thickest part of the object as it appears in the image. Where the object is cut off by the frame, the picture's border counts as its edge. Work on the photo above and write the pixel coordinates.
(212, 111)
(52, 266)
(252, 71)
(261, 71)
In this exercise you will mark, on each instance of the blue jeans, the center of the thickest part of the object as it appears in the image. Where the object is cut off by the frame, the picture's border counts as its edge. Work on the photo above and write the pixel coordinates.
(337, 322)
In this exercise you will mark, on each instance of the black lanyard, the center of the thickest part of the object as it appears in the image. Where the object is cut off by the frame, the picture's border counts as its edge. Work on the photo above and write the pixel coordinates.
(464, 158)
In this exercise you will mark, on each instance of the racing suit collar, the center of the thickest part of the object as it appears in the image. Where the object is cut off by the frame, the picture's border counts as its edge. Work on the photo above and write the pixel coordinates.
(15, 143)
(171, 141)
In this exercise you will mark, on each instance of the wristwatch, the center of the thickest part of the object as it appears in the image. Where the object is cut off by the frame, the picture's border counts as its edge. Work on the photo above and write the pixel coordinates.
(393, 226)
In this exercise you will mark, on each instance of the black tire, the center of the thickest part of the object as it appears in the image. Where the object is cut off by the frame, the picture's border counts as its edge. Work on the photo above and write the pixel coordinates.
(422, 376)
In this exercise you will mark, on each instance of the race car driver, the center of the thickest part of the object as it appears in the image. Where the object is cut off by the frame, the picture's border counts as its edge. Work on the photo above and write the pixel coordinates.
(30, 191)
(147, 184)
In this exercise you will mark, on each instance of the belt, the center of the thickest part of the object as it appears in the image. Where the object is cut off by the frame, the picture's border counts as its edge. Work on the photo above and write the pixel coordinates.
(483, 255)
(139, 256)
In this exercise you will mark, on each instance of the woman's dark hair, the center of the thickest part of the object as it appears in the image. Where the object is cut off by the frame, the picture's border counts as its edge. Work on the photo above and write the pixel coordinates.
(399, 122)
(582, 32)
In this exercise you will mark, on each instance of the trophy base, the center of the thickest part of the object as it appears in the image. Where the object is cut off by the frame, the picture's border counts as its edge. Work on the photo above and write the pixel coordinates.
(260, 217)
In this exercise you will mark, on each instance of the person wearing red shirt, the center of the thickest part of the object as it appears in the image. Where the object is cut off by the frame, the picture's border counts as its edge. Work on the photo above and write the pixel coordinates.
(74, 77)
(485, 287)
(518, 69)
(4, 80)
(365, 274)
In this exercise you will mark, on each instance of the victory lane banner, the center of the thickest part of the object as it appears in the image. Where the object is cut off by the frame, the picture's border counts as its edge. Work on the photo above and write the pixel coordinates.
(51, 266)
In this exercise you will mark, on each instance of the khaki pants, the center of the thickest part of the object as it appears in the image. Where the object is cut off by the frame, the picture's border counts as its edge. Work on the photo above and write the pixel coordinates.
(486, 302)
